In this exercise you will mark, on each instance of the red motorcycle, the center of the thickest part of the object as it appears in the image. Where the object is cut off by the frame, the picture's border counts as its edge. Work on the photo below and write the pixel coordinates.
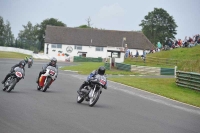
(47, 78)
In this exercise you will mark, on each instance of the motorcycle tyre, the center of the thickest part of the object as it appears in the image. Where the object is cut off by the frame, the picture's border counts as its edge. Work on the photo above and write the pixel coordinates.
(79, 99)
(47, 84)
(97, 94)
(12, 85)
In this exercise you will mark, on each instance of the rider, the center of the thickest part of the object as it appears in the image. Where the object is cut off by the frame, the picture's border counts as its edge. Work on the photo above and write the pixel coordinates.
(101, 71)
(51, 63)
(26, 60)
(21, 64)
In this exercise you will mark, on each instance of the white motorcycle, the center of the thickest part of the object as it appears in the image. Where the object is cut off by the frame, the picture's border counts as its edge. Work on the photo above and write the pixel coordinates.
(16, 75)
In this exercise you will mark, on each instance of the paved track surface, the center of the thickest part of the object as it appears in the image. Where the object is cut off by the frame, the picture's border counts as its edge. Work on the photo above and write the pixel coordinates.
(120, 109)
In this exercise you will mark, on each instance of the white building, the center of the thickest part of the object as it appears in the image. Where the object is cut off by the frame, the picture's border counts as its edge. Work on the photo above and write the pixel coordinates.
(61, 41)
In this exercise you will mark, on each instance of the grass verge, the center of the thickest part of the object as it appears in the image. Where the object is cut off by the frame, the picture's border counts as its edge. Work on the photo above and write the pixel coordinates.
(4, 54)
(162, 86)
(88, 67)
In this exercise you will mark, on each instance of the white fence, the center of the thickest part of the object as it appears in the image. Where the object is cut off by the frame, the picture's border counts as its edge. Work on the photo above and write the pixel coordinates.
(35, 56)
(18, 50)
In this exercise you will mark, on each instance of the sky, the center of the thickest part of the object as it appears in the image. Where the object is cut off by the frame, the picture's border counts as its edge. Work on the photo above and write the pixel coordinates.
(123, 15)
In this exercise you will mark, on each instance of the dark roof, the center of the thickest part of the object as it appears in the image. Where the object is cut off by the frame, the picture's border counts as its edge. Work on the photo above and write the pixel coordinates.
(95, 37)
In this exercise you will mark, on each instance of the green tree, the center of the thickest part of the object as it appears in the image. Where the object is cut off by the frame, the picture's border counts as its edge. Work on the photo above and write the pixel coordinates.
(1, 31)
(28, 36)
(84, 26)
(158, 25)
(8, 36)
(42, 28)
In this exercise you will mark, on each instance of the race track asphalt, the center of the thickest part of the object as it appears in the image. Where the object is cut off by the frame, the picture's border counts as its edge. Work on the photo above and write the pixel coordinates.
(120, 109)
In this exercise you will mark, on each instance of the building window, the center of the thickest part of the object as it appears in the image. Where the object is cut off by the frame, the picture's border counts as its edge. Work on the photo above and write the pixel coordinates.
(59, 45)
(78, 47)
(56, 45)
(116, 54)
(99, 48)
(53, 45)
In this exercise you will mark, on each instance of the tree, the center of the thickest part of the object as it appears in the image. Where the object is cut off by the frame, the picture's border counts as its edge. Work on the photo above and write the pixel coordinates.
(8, 36)
(1, 31)
(158, 25)
(84, 26)
(28, 36)
(42, 28)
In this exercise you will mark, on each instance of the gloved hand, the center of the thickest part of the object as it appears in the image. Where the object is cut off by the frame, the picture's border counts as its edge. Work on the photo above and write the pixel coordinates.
(11, 70)
(105, 87)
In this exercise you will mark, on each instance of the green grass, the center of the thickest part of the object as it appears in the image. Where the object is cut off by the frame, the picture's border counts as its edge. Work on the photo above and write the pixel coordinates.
(4, 54)
(179, 53)
(188, 59)
(88, 67)
(162, 86)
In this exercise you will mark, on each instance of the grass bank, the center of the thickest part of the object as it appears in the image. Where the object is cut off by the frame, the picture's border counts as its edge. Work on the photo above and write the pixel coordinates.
(187, 59)
(4, 54)
(88, 67)
(162, 86)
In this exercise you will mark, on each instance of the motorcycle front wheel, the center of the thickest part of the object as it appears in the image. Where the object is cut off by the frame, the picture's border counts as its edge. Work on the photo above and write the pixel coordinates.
(94, 99)
(79, 99)
(12, 85)
(47, 84)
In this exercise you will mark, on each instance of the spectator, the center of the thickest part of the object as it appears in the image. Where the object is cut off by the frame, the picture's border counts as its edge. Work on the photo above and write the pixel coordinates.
(198, 41)
(144, 55)
(180, 42)
(176, 43)
(185, 43)
(137, 54)
(159, 45)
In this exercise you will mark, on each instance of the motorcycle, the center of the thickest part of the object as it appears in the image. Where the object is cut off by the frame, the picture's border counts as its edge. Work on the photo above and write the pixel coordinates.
(13, 79)
(92, 91)
(47, 78)
(30, 62)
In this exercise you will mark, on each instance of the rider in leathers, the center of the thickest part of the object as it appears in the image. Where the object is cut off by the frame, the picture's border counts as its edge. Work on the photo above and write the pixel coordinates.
(20, 64)
(51, 63)
(101, 71)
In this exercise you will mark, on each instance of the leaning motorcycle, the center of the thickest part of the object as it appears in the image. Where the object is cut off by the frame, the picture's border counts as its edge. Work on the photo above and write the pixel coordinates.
(13, 79)
(47, 78)
(92, 91)
(30, 62)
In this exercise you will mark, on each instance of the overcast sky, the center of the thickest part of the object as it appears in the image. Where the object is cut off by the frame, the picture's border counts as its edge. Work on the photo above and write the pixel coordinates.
(125, 15)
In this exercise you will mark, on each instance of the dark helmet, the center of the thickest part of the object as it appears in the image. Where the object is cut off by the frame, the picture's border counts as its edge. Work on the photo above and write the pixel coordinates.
(101, 70)
(22, 64)
(53, 61)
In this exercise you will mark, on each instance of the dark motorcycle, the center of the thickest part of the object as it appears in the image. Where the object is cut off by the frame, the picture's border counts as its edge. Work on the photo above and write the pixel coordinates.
(13, 79)
(92, 91)
(30, 63)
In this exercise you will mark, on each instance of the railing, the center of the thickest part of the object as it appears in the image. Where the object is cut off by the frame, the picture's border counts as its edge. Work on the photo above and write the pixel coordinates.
(107, 66)
(188, 80)
(121, 66)
(87, 59)
(157, 61)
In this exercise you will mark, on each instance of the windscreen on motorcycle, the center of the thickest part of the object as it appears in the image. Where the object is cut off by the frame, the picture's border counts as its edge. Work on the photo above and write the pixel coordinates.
(19, 72)
(100, 79)
(52, 70)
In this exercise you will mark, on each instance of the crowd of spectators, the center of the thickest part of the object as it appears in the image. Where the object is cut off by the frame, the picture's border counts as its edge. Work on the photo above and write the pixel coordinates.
(187, 42)
(169, 44)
